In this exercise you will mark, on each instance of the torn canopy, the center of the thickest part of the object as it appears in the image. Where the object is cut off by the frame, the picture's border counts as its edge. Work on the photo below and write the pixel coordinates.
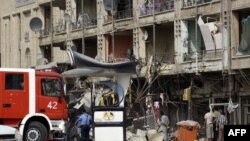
(86, 66)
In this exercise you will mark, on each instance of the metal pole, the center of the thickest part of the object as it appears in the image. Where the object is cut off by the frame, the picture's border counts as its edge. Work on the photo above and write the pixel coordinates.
(223, 34)
(92, 108)
(229, 34)
(154, 48)
(190, 101)
(230, 79)
(113, 35)
(51, 30)
(196, 36)
(83, 40)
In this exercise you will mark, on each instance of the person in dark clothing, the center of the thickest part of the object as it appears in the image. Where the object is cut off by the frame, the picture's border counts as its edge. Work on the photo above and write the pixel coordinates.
(84, 121)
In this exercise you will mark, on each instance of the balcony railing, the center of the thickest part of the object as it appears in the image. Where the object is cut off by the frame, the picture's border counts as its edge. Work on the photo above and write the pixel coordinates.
(124, 14)
(59, 28)
(167, 5)
(85, 23)
(44, 32)
(191, 56)
(159, 7)
(119, 15)
(212, 54)
(167, 58)
(187, 3)
(205, 54)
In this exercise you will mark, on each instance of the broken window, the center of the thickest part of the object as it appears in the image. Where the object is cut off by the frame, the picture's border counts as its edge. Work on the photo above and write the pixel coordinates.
(211, 32)
(192, 41)
(86, 14)
(119, 8)
(194, 2)
(244, 47)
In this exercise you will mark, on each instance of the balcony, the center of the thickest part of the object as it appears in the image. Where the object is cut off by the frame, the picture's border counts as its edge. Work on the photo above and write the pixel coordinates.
(119, 15)
(167, 58)
(188, 3)
(44, 32)
(204, 55)
(159, 7)
(56, 3)
(124, 14)
(87, 22)
(59, 28)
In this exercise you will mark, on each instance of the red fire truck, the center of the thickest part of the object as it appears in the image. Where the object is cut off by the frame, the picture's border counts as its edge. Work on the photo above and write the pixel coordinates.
(33, 102)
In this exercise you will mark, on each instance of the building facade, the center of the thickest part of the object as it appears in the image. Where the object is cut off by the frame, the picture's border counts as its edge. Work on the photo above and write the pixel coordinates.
(196, 44)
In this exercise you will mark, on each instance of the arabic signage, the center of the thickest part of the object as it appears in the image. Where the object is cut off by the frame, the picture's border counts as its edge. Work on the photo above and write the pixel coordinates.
(20, 3)
(108, 116)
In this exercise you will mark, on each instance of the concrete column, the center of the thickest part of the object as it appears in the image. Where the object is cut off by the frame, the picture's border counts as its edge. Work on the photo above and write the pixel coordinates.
(4, 41)
(226, 19)
(101, 51)
(7, 46)
(142, 43)
(16, 40)
(178, 25)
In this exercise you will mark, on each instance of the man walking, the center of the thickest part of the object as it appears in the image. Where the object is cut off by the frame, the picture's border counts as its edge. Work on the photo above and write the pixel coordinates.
(209, 118)
(84, 122)
(220, 122)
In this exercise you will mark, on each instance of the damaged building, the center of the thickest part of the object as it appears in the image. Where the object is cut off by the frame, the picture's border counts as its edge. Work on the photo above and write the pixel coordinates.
(193, 54)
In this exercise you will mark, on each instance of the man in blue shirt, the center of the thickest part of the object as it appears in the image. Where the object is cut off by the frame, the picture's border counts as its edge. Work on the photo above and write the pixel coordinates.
(84, 122)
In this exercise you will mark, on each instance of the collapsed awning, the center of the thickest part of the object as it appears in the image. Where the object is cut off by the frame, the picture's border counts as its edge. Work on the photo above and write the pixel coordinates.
(86, 66)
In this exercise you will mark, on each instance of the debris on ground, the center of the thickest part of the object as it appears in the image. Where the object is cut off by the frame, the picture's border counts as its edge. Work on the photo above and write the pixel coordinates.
(143, 135)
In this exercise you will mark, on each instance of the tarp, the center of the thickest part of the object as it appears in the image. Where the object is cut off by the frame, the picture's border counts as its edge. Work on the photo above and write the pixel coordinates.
(86, 66)
(211, 35)
(207, 37)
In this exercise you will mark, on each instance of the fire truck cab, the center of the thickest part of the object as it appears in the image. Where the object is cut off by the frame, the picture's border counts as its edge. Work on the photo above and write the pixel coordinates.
(33, 102)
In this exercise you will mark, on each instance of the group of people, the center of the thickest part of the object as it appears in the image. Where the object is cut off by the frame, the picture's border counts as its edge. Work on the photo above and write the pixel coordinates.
(214, 124)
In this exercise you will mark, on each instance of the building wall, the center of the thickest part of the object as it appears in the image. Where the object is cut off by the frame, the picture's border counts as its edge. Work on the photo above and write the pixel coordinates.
(16, 35)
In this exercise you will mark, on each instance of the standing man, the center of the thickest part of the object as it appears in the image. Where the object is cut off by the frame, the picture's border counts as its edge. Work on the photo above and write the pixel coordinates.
(220, 122)
(84, 122)
(216, 115)
(209, 119)
(164, 125)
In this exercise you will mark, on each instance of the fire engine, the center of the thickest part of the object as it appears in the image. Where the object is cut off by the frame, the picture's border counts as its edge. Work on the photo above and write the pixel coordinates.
(33, 102)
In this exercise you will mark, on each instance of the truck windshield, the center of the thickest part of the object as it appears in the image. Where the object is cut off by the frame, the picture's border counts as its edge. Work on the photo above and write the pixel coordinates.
(51, 87)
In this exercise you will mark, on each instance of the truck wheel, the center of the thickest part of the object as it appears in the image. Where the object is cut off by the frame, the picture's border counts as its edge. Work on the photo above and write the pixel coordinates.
(36, 132)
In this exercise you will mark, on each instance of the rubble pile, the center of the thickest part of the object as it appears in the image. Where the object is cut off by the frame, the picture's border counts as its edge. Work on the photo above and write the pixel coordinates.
(143, 135)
